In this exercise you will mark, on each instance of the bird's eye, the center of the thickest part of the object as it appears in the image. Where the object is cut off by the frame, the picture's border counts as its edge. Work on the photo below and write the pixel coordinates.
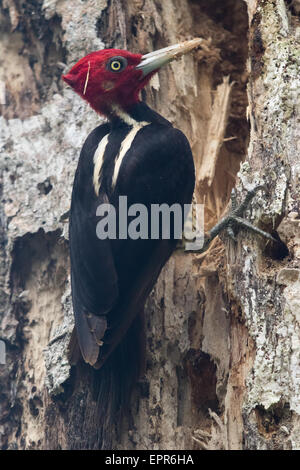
(116, 64)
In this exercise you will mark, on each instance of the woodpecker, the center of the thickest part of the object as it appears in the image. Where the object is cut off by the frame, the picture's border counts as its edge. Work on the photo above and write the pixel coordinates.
(138, 154)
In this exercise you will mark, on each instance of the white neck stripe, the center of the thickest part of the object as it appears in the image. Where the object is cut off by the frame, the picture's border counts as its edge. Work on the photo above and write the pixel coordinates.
(124, 116)
(125, 146)
(98, 162)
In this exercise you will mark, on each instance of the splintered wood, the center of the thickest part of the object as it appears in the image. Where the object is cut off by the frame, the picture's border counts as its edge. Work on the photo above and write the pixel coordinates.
(207, 191)
(205, 169)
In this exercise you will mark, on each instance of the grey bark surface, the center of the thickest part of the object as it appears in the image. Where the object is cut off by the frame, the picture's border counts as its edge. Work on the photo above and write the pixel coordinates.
(222, 329)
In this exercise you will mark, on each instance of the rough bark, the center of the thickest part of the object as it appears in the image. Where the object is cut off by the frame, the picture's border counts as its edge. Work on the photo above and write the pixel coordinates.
(222, 330)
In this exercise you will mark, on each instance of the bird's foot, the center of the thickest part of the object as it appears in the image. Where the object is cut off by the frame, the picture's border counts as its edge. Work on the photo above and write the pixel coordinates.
(234, 220)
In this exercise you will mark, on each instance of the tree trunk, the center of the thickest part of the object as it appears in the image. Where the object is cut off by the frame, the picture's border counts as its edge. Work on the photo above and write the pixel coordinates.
(222, 329)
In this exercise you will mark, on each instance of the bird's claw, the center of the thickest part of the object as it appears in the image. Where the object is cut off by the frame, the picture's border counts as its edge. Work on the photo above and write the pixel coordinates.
(238, 210)
(234, 219)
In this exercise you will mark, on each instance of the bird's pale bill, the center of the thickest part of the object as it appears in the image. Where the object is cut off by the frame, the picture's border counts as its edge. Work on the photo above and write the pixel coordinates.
(155, 60)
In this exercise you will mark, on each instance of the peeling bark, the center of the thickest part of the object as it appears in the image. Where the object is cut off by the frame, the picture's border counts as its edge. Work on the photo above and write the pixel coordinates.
(222, 329)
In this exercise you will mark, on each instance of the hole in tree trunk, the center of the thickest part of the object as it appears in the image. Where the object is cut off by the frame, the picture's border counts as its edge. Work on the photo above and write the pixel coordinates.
(276, 251)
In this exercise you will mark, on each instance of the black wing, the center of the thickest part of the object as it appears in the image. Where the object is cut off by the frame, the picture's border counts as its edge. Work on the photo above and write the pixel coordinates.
(158, 169)
(93, 274)
(111, 279)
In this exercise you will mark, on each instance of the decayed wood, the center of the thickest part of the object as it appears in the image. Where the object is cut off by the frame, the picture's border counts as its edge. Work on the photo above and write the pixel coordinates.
(216, 130)
(222, 330)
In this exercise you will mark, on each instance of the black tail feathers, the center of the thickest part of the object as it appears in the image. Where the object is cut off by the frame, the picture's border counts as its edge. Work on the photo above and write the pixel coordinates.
(113, 383)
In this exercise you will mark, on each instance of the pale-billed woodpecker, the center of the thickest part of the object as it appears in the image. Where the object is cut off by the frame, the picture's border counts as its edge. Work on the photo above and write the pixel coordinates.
(139, 154)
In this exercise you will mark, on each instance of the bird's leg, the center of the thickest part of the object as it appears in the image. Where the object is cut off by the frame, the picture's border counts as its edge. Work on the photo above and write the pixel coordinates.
(234, 219)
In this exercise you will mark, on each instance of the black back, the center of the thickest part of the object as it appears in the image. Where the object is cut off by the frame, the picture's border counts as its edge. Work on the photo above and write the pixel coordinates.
(158, 168)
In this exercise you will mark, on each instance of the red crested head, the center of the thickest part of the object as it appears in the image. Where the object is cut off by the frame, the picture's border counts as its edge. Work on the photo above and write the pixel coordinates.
(114, 77)
(106, 78)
